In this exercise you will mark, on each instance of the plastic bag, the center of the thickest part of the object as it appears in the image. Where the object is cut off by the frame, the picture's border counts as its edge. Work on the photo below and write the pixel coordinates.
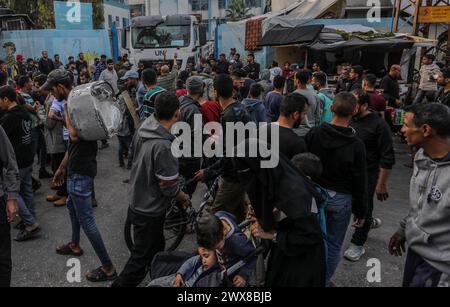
(94, 112)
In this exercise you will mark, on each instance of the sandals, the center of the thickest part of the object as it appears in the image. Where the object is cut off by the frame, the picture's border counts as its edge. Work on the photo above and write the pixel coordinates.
(25, 235)
(66, 250)
(98, 275)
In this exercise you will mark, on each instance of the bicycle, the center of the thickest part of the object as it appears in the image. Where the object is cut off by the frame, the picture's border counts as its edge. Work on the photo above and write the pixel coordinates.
(178, 219)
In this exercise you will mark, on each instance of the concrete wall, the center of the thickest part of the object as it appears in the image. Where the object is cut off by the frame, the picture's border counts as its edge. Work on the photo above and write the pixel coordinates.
(30, 44)
(115, 10)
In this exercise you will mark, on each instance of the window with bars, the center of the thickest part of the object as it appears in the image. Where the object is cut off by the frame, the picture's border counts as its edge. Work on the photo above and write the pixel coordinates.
(199, 5)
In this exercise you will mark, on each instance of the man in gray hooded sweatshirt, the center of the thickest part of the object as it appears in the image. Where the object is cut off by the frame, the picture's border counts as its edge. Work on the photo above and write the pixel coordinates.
(426, 228)
(9, 191)
(154, 183)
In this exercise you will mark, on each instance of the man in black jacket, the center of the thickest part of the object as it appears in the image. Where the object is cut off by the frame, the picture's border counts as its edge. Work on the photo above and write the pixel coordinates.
(9, 187)
(190, 163)
(443, 95)
(356, 78)
(46, 65)
(377, 138)
(17, 125)
(345, 174)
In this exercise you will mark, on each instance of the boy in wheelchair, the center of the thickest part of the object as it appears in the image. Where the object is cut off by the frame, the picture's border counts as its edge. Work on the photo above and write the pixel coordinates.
(221, 245)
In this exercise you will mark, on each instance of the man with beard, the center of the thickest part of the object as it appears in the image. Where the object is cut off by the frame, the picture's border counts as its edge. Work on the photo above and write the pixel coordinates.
(443, 95)
(377, 138)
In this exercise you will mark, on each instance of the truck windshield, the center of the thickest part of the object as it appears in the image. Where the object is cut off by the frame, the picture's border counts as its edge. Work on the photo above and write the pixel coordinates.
(161, 36)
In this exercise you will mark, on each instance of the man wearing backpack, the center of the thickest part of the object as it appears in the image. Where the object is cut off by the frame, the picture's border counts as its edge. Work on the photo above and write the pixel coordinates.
(254, 106)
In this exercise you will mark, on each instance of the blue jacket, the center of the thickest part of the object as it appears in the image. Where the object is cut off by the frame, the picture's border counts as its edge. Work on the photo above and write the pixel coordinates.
(237, 246)
(255, 109)
(98, 70)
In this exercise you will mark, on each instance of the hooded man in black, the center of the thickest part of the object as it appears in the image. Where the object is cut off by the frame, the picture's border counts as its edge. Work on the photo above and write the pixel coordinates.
(377, 138)
(285, 205)
(345, 174)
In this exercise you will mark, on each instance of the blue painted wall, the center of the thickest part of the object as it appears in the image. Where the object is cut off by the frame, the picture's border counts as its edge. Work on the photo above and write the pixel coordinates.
(65, 22)
(63, 42)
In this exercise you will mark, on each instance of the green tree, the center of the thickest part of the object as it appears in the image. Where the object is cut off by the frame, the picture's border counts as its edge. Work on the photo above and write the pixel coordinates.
(237, 10)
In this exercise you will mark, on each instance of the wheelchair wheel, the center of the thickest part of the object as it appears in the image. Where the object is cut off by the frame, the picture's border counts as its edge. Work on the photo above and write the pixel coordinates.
(174, 229)
(175, 226)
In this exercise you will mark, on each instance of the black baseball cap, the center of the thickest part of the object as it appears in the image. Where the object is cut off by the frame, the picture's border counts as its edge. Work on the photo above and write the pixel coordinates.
(54, 77)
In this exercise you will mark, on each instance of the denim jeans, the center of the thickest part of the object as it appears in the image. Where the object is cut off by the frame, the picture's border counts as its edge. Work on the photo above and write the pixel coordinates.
(79, 204)
(430, 95)
(339, 213)
(26, 197)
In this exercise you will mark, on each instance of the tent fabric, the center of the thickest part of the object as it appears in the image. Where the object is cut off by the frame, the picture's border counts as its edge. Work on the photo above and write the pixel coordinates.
(280, 36)
(329, 41)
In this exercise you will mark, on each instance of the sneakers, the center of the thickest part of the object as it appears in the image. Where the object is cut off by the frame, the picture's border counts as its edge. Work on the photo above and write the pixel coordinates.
(376, 223)
(61, 202)
(354, 253)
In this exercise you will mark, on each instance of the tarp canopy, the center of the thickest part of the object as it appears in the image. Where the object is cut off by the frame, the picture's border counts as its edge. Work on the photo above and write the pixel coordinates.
(329, 40)
(280, 36)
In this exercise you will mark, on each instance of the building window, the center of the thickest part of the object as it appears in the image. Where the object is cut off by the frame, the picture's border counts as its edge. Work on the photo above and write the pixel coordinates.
(110, 21)
(199, 5)
(253, 3)
(222, 4)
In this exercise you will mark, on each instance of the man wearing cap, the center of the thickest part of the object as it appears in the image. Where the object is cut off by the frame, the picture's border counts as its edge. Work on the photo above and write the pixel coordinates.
(110, 75)
(19, 68)
(80, 163)
(191, 111)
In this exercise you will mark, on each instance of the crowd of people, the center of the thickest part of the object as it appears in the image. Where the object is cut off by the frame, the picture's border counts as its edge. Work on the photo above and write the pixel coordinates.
(336, 156)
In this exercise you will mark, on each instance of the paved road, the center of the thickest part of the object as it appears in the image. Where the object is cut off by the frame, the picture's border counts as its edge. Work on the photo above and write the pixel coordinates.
(36, 264)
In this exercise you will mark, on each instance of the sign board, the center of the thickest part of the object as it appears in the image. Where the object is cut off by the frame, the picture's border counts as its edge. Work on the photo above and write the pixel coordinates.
(73, 15)
(434, 14)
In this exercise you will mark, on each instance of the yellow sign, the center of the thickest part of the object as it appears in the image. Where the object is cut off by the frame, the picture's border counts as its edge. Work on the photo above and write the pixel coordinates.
(434, 14)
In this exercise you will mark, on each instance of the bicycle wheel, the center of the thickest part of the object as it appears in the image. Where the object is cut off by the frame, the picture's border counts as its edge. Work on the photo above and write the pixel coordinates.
(175, 227)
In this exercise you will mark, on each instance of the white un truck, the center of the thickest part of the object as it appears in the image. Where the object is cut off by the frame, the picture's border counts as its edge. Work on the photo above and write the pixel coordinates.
(156, 39)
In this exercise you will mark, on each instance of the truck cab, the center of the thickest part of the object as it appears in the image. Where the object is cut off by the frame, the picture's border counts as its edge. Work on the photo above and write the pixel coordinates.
(155, 39)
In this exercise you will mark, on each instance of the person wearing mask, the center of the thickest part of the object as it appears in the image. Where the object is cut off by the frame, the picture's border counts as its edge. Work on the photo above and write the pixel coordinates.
(377, 138)
(313, 117)
(425, 228)
(110, 75)
(16, 123)
(443, 95)
(273, 99)
(58, 63)
(429, 73)
(377, 102)
(80, 165)
(46, 65)
(253, 69)
(100, 67)
(355, 78)
(9, 193)
(154, 184)
(344, 175)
